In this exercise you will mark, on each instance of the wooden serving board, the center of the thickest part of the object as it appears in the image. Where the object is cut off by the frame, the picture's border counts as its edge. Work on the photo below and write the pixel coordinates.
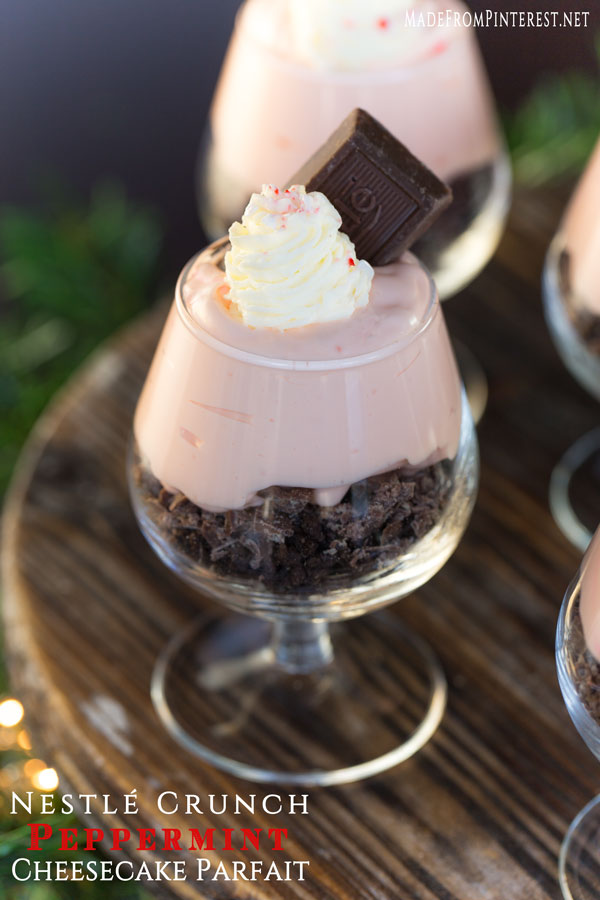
(481, 811)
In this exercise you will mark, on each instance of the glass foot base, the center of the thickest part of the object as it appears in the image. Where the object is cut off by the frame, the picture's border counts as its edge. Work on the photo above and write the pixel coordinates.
(474, 379)
(221, 692)
(579, 860)
(574, 493)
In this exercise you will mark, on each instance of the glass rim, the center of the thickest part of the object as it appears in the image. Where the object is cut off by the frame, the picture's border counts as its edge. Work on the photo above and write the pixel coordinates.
(569, 600)
(401, 71)
(299, 365)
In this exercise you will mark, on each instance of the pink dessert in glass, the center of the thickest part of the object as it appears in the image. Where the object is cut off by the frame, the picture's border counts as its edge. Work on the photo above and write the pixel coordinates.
(296, 68)
(590, 596)
(303, 415)
(581, 242)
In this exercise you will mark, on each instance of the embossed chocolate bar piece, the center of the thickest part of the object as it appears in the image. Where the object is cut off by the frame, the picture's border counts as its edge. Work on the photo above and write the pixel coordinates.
(385, 196)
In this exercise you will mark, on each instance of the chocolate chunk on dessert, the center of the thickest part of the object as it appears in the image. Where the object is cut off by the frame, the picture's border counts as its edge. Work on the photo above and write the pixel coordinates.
(290, 542)
(386, 197)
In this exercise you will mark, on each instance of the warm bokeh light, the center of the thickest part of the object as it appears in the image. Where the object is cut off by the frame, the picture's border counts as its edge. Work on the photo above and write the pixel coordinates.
(33, 767)
(11, 713)
(10, 775)
(23, 740)
(7, 739)
(45, 780)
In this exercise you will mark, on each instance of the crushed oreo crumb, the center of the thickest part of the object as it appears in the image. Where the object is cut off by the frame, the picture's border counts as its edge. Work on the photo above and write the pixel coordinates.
(585, 668)
(290, 543)
(586, 324)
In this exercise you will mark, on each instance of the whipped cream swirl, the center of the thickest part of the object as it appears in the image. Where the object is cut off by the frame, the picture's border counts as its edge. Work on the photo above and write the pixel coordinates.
(289, 264)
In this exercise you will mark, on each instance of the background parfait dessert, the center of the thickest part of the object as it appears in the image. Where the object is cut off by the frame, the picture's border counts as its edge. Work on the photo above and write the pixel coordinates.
(578, 665)
(295, 68)
(571, 292)
(580, 256)
(303, 410)
(579, 630)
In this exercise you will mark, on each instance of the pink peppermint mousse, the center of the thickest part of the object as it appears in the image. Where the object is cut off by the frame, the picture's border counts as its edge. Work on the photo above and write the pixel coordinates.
(296, 68)
(590, 596)
(299, 365)
(582, 237)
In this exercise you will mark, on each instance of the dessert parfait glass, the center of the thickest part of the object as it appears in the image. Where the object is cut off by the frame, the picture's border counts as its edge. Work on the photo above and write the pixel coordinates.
(579, 679)
(295, 69)
(571, 291)
(301, 494)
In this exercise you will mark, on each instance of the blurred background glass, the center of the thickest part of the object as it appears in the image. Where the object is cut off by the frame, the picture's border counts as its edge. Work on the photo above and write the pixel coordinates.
(572, 305)
(273, 108)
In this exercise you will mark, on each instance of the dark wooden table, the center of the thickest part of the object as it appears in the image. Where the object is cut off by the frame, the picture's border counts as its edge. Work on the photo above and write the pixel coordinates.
(481, 811)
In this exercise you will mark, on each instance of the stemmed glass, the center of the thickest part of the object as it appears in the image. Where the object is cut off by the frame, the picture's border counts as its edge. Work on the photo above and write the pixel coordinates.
(572, 307)
(279, 691)
(579, 679)
(272, 109)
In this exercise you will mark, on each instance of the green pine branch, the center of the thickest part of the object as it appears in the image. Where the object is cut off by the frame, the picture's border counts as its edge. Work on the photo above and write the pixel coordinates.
(553, 132)
(69, 276)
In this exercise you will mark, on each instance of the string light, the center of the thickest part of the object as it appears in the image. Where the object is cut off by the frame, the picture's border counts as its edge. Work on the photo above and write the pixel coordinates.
(33, 766)
(45, 780)
(41, 776)
(23, 740)
(7, 739)
(10, 775)
(11, 713)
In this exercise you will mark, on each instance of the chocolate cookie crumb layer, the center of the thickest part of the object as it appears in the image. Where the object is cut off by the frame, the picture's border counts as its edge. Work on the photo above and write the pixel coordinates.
(586, 324)
(288, 543)
(585, 669)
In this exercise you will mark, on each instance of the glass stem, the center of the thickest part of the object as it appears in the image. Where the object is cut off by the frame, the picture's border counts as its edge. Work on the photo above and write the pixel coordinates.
(301, 646)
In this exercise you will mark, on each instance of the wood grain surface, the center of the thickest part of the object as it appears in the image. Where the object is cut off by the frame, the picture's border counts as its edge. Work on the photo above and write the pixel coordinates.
(481, 811)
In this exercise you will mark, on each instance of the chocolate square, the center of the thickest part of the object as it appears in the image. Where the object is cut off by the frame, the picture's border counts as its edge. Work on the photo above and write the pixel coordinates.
(385, 196)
